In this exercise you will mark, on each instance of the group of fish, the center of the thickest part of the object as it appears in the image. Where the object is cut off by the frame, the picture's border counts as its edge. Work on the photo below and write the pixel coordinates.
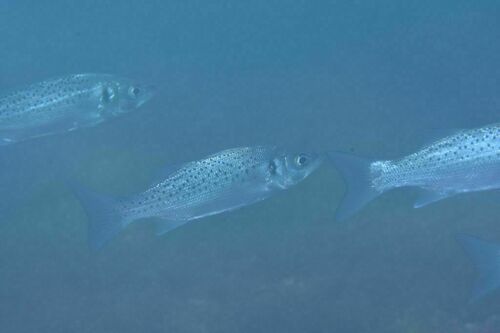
(465, 161)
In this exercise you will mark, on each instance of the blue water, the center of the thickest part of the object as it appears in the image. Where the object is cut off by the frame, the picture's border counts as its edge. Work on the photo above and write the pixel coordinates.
(377, 78)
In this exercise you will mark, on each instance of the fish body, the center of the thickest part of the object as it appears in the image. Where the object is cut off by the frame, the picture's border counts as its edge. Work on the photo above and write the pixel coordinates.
(221, 182)
(466, 161)
(67, 103)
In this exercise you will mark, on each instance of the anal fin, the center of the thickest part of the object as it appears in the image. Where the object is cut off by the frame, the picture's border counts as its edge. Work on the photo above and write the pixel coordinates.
(163, 225)
(428, 197)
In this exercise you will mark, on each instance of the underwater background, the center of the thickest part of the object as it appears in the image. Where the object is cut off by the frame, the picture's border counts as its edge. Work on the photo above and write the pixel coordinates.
(376, 78)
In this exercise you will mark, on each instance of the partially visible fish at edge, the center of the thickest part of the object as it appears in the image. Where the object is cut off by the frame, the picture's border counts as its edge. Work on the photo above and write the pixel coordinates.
(67, 103)
(466, 161)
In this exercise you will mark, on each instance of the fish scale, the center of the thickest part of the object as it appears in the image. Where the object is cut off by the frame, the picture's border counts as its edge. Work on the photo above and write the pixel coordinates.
(37, 96)
(467, 161)
(445, 163)
(221, 182)
(200, 181)
(66, 103)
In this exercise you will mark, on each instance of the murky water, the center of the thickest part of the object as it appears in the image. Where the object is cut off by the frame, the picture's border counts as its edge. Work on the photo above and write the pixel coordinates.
(377, 79)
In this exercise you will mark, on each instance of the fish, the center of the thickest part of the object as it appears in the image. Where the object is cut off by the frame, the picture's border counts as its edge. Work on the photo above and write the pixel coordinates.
(465, 161)
(218, 183)
(486, 257)
(67, 103)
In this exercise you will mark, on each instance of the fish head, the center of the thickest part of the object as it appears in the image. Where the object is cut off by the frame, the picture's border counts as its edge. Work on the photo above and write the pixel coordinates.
(290, 168)
(121, 95)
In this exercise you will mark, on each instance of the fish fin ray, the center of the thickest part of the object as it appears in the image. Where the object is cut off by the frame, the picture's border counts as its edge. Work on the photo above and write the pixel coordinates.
(104, 220)
(428, 197)
(163, 226)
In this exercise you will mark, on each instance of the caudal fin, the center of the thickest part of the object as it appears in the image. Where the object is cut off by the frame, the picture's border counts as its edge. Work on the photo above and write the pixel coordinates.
(486, 256)
(104, 219)
(356, 173)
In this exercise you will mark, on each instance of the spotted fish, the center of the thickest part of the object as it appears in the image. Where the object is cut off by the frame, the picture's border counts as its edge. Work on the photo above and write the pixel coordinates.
(466, 161)
(67, 103)
(221, 182)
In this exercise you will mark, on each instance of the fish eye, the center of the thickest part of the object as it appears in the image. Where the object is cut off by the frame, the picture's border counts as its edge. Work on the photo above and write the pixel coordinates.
(301, 160)
(134, 91)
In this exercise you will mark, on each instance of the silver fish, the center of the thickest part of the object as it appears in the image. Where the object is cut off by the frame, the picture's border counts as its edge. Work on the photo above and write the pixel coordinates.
(67, 103)
(466, 161)
(221, 182)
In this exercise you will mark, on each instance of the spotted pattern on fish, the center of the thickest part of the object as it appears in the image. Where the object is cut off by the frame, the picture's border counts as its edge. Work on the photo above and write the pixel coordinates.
(203, 180)
(466, 161)
(67, 103)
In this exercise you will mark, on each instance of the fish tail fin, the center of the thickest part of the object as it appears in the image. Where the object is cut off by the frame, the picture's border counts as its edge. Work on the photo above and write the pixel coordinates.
(356, 173)
(486, 256)
(104, 219)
